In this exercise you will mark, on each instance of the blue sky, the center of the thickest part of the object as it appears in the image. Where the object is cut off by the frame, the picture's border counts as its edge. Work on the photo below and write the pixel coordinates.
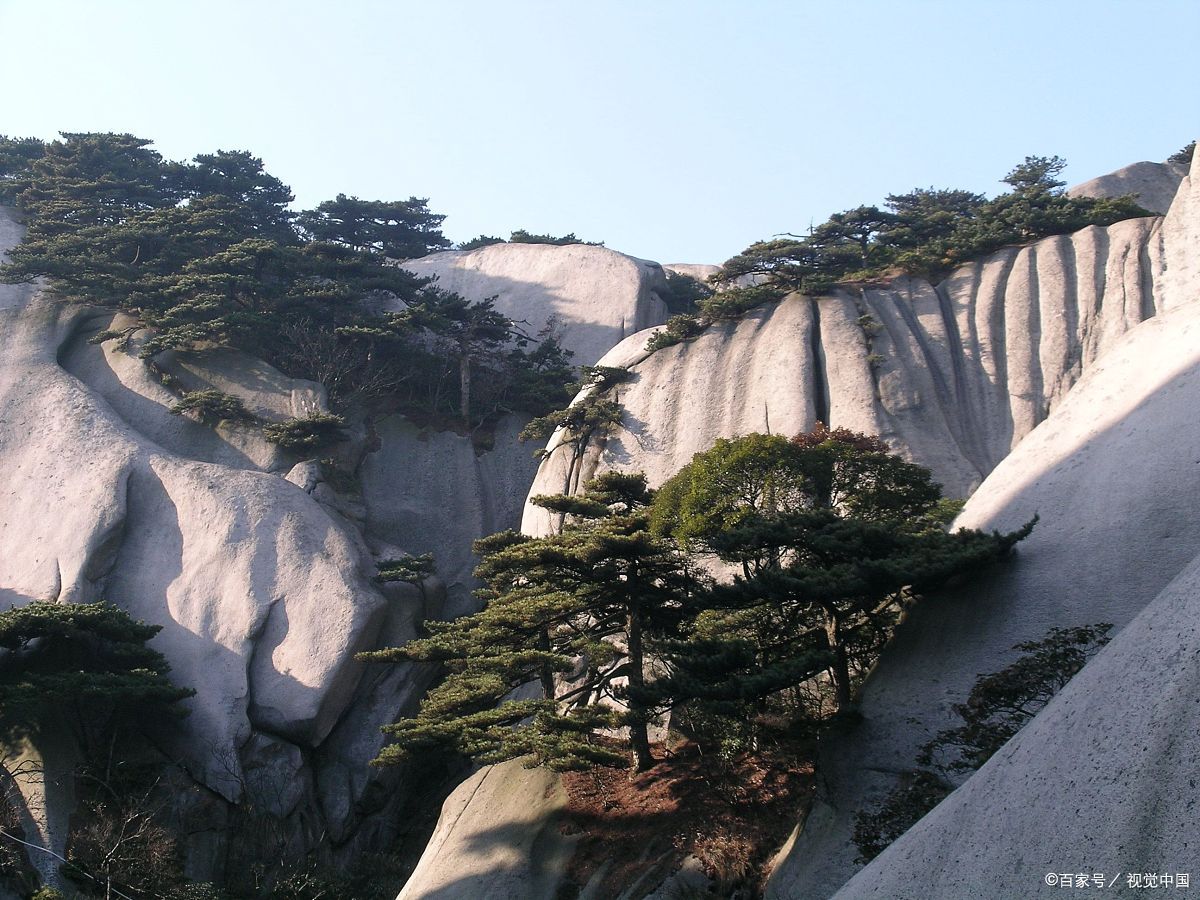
(676, 131)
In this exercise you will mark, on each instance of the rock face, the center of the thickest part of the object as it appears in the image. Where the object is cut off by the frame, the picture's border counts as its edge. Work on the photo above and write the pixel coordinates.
(1079, 352)
(1102, 779)
(431, 492)
(498, 839)
(953, 375)
(1111, 537)
(592, 296)
(255, 564)
(1153, 184)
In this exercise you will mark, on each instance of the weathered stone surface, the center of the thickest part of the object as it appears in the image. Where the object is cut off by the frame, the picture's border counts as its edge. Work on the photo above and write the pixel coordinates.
(593, 296)
(699, 271)
(957, 376)
(1103, 779)
(498, 839)
(953, 376)
(1112, 475)
(262, 596)
(1111, 536)
(1153, 184)
(430, 492)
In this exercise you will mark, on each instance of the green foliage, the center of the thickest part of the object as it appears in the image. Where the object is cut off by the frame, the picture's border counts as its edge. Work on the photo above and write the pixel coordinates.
(483, 240)
(999, 705)
(407, 568)
(678, 329)
(212, 406)
(88, 657)
(397, 229)
(1183, 156)
(927, 231)
(581, 605)
(208, 254)
(521, 236)
(684, 293)
(587, 414)
(307, 435)
(833, 535)
(727, 305)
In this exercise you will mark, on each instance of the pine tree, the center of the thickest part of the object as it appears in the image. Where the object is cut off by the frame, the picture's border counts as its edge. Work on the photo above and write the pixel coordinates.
(558, 656)
(87, 663)
(832, 534)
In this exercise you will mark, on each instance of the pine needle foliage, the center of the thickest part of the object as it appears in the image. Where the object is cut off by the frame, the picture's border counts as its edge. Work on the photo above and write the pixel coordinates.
(88, 659)
(832, 536)
(207, 253)
(558, 656)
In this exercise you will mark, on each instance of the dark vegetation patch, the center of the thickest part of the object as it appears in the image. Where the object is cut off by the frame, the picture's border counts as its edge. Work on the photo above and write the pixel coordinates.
(730, 814)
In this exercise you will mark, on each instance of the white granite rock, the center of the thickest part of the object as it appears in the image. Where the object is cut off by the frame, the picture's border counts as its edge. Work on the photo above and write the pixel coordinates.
(498, 838)
(593, 296)
(1152, 184)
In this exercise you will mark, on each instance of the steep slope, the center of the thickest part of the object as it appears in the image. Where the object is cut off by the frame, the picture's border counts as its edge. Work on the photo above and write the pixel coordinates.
(256, 567)
(1104, 778)
(593, 297)
(953, 375)
(956, 375)
(1112, 536)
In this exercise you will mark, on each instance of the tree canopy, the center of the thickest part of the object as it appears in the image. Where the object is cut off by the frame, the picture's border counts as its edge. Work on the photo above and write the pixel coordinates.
(833, 535)
(208, 253)
(926, 231)
(608, 623)
(87, 662)
(560, 648)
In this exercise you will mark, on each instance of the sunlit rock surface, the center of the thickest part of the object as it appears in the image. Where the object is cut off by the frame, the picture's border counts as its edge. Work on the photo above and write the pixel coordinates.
(1079, 352)
(591, 296)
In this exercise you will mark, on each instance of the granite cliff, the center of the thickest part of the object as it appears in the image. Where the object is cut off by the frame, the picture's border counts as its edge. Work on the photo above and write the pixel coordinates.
(1052, 379)
(1048, 378)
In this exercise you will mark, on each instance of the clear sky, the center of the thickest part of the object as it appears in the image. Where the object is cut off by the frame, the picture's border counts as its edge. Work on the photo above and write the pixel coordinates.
(677, 131)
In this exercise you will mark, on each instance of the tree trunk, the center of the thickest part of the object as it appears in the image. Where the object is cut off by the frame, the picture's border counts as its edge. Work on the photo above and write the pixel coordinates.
(547, 675)
(841, 662)
(639, 739)
(464, 378)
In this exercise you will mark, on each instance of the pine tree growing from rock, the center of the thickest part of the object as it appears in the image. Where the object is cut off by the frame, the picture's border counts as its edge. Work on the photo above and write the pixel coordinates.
(558, 656)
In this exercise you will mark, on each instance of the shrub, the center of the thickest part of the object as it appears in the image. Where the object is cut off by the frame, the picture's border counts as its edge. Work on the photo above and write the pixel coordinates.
(678, 329)
(407, 568)
(212, 406)
(310, 433)
(684, 292)
(586, 414)
(484, 240)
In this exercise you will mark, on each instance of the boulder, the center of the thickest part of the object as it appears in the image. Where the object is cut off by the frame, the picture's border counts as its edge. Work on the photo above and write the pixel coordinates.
(498, 838)
(591, 296)
(1152, 184)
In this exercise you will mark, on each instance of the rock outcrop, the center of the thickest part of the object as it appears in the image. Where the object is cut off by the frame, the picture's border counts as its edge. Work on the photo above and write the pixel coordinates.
(498, 837)
(591, 296)
(953, 375)
(1104, 779)
(256, 564)
(1152, 184)
(1056, 378)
